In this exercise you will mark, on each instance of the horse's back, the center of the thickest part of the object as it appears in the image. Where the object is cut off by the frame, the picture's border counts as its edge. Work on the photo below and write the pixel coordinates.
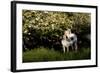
(73, 37)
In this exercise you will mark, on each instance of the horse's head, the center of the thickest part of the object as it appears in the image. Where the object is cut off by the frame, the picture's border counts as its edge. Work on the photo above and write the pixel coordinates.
(67, 32)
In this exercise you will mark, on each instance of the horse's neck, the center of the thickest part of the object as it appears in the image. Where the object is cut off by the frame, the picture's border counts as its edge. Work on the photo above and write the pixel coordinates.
(68, 40)
(64, 37)
(70, 35)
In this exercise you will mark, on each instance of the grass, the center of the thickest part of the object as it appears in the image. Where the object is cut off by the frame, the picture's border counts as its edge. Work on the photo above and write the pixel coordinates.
(44, 54)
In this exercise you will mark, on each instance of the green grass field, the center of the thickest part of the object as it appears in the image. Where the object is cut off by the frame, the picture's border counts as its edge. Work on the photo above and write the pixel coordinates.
(45, 54)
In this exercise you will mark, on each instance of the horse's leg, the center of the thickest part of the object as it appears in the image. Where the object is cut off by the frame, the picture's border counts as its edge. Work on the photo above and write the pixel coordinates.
(67, 48)
(72, 46)
(75, 46)
(64, 49)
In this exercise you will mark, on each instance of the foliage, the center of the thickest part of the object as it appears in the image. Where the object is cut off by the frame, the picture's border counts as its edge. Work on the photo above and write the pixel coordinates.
(50, 24)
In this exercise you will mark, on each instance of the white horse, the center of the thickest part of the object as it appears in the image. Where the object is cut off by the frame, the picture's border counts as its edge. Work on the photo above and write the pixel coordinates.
(69, 39)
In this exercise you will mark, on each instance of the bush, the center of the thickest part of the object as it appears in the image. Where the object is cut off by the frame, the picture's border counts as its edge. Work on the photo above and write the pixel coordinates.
(50, 24)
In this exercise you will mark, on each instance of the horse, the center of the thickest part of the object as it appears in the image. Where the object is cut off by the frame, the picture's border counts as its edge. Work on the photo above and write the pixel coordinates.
(69, 39)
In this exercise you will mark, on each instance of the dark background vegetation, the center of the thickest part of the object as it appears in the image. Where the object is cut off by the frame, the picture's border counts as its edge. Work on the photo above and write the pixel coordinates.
(43, 30)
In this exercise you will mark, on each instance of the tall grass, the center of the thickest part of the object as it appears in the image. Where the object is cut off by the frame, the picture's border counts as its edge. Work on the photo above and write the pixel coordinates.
(44, 54)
